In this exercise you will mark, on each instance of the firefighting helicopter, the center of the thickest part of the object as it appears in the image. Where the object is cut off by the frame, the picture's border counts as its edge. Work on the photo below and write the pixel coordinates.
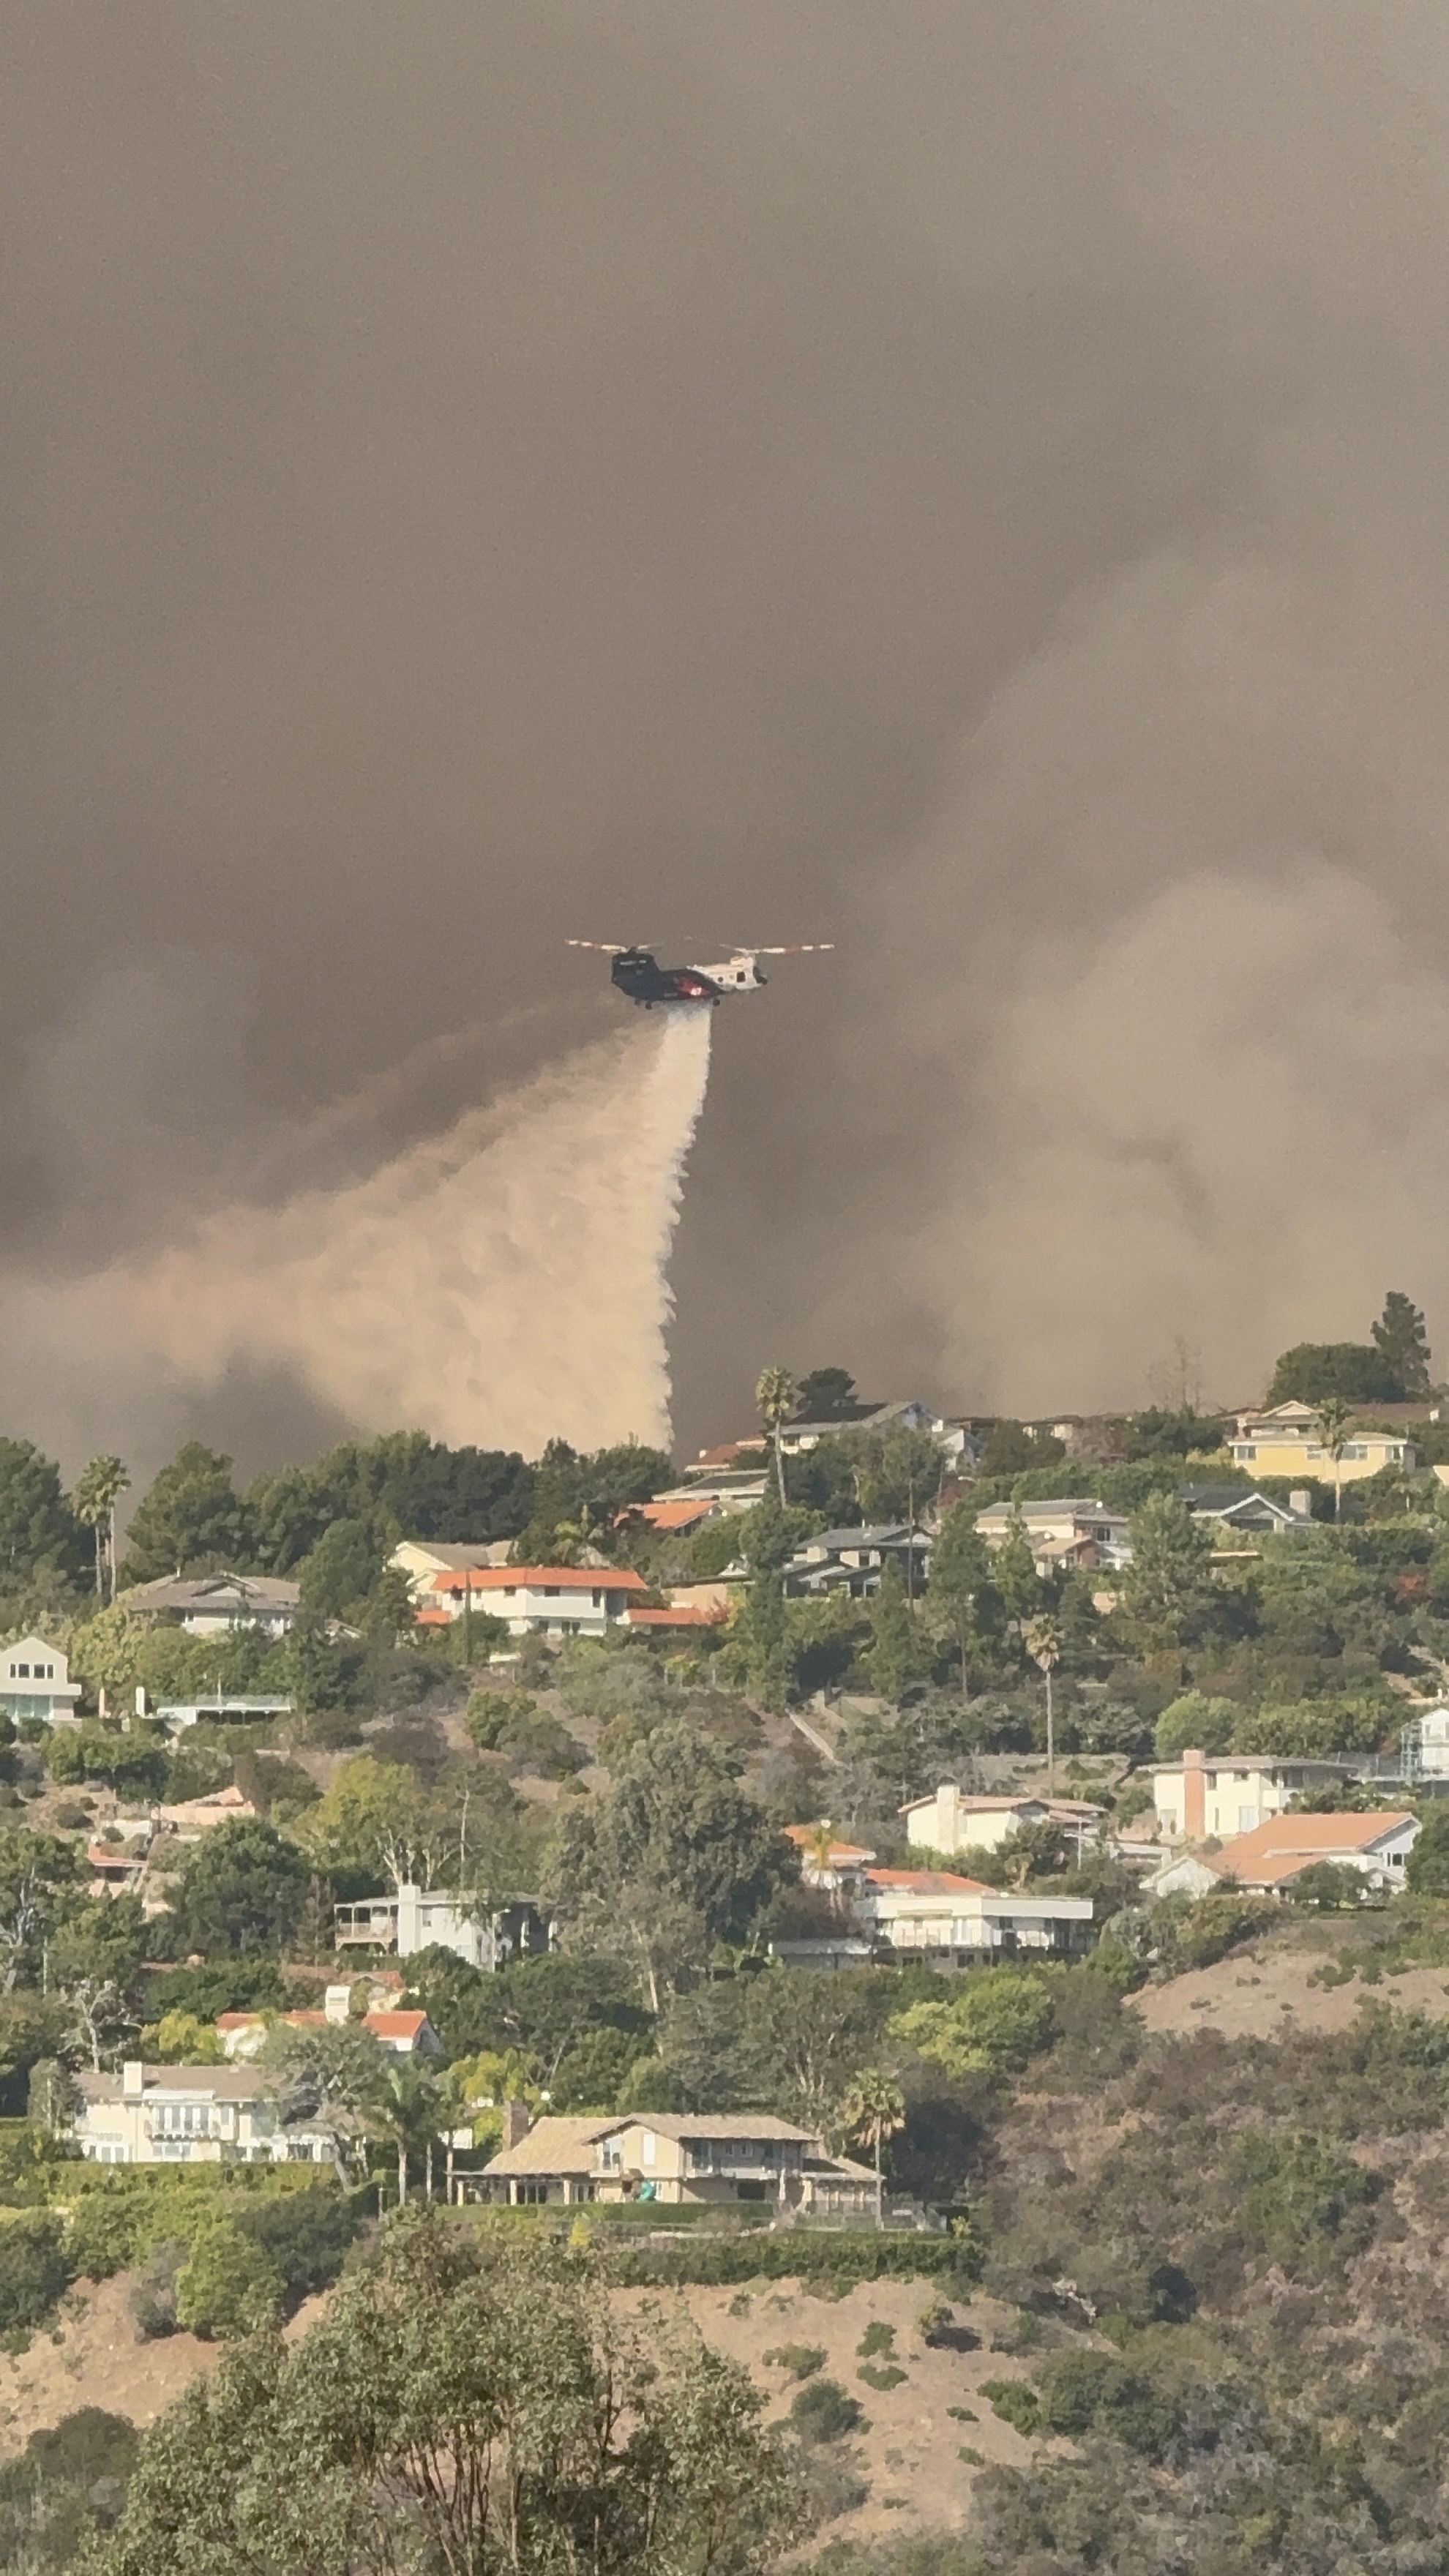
(638, 973)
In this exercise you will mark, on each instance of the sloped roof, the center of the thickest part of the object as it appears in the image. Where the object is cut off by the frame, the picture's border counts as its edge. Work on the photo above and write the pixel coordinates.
(711, 2124)
(803, 1837)
(564, 1578)
(928, 1882)
(222, 2083)
(553, 2145)
(1310, 1837)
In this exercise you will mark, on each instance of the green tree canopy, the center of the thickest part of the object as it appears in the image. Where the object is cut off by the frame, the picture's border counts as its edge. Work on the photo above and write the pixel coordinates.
(674, 1856)
(1167, 1588)
(827, 1395)
(995, 2020)
(39, 1533)
(190, 1518)
(419, 1487)
(1196, 1719)
(462, 2405)
(1403, 1344)
(1426, 1871)
(241, 1888)
(1355, 1371)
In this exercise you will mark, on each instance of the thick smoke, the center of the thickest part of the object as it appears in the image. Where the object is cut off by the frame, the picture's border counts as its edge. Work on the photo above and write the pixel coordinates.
(963, 479)
(512, 1272)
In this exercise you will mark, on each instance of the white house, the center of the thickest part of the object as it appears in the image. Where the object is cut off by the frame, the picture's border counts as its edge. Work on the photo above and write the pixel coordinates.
(149, 2115)
(1231, 1793)
(853, 1560)
(402, 2034)
(958, 1920)
(421, 1558)
(541, 1600)
(208, 1605)
(948, 1821)
(424, 1918)
(1073, 1529)
(37, 1681)
(797, 1439)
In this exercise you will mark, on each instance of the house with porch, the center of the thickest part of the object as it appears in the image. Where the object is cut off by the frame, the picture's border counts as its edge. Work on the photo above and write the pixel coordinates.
(717, 2157)
(1284, 1441)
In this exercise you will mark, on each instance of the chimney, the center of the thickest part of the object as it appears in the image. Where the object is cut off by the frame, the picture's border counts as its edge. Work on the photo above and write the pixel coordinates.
(517, 2121)
(1194, 1795)
(133, 2080)
(1301, 1501)
(948, 1817)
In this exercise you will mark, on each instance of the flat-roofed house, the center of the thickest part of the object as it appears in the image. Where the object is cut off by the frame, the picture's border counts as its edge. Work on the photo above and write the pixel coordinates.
(960, 1920)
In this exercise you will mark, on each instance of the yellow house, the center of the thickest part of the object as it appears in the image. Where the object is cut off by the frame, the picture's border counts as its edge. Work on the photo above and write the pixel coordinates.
(1285, 1442)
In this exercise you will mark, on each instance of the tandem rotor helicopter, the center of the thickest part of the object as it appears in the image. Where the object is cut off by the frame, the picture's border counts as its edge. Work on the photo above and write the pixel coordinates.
(637, 972)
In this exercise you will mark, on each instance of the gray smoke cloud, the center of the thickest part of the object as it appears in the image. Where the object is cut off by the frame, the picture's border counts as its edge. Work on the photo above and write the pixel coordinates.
(961, 479)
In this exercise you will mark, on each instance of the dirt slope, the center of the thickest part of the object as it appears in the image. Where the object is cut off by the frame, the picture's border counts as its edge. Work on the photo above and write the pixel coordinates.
(1260, 1994)
(908, 2452)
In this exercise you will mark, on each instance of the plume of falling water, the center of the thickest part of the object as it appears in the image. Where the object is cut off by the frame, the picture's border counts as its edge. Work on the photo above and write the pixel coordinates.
(501, 1283)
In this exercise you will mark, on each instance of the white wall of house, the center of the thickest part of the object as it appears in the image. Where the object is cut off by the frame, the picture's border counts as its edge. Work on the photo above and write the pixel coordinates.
(35, 1681)
(151, 2115)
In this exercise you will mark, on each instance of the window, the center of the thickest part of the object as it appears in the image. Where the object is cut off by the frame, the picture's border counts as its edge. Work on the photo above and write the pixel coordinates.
(596, 1598)
(647, 2144)
(551, 1591)
(611, 2157)
(23, 1670)
(1396, 1860)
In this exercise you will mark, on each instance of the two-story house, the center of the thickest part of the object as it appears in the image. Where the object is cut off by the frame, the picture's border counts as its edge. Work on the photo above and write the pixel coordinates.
(209, 1605)
(1232, 1793)
(715, 2157)
(1070, 1530)
(853, 1560)
(35, 1682)
(425, 1918)
(948, 1820)
(1284, 1441)
(958, 1922)
(151, 2115)
(541, 1600)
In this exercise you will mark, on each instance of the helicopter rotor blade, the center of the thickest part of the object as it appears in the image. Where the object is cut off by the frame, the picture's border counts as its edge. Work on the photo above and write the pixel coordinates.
(604, 947)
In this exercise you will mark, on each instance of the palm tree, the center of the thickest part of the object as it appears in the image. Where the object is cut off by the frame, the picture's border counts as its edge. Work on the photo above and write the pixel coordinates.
(873, 2110)
(404, 2110)
(1331, 1424)
(97, 1493)
(775, 1395)
(1043, 1641)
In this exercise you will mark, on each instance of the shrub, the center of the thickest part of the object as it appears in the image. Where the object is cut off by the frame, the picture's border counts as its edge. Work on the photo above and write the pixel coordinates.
(822, 2412)
(878, 2337)
(798, 2360)
(152, 2300)
(106, 2233)
(226, 2286)
(33, 2268)
(303, 2235)
(881, 2375)
(1014, 2402)
(69, 2479)
(1094, 2392)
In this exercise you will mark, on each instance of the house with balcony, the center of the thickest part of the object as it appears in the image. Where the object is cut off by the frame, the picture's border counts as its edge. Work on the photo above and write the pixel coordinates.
(717, 2157)
(210, 1605)
(152, 2115)
(541, 1600)
(423, 1918)
(954, 1922)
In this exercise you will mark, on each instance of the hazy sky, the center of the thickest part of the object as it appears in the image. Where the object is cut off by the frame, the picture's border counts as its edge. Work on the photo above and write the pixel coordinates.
(962, 477)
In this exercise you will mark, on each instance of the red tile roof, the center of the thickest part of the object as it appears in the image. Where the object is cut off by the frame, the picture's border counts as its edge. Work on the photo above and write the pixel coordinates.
(673, 1516)
(928, 1882)
(685, 1617)
(803, 1837)
(534, 1578)
(395, 2025)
